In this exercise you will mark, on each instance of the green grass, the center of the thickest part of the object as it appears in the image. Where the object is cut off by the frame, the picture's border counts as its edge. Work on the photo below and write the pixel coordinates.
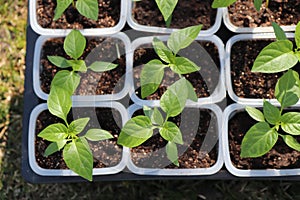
(12, 186)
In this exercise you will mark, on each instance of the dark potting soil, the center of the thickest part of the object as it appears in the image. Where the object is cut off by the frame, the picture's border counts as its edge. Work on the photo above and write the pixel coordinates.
(204, 81)
(92, 83)
(284, 12)
(200, 136)
(279, 157)
(106, 153)
(245, 83)
(109, 16)
(187, 13)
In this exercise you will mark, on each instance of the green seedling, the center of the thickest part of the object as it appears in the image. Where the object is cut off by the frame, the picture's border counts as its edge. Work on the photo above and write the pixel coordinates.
(166, 8)
(226, 3)
(140, 128)
(278, 56)
(153, 71)
(262, 136)
(87, 8)
(74, 46)
(65, 136)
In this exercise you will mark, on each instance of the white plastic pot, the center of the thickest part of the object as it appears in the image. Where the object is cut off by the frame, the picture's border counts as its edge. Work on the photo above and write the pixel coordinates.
(91, 31)
(229, 44)
(66, 172)
(210, 140)
(229, 112)
(219, 92)
(37, 69)
(133, 24)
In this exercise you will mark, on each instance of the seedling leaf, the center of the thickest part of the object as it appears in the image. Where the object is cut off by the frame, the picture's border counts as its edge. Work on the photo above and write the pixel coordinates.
(166, 7)
(183, 65)
(61, 6)
(255, 114)
(74, 44)
(54, 132)
(78, 125)
(154, 114)
(66, 80)
(59, 61)
(54, 147)
(172, 153)
(290, 123)
(171, 132)
(257, 4)
(291, 142)
(88, 8)
(280, 35)
(100, 66)
(97, 135)
(162, 51)
(78, 65)
(271, 113)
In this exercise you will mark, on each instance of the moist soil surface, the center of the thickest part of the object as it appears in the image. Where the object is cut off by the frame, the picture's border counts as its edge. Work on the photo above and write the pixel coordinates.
(284, 12)
(245, 83)
(279, 157)
(106, 153)
(203, 81)
(200, 136)
(92, 83)
(109, 16)
(186, 13)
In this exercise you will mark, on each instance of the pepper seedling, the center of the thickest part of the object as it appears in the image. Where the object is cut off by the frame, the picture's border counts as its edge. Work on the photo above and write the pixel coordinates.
(153, 71)
(87, 8)
(74, 45)
(226, 3)
(65, 136)
(140, 128)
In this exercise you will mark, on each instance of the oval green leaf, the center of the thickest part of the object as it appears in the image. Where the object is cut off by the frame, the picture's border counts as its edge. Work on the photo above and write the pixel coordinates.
(280, 35)
(291, 142)
(97, 134)
(271, 113)
(255, 114)
(54, 147)
(54, 132)
(100, 66)
(171, 132)
(59, 61)
(88, 8)
(166, 7)
(154, 115)
(290, 123)
(66, 80)
(78, 125)
(172, 153)
(61, 6)
(184, 66)
(163, 51)
(78, 65)
(74, 44)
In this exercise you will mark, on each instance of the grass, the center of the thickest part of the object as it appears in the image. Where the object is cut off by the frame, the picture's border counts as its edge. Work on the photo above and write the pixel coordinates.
(12, 186)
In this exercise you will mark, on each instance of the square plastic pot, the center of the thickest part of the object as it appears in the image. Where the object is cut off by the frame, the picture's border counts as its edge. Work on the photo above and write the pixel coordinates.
(153, 29)
(196, 53)
(91, 31)
(37, 70)
(213, 138)
(228, 76)
(229, 112)
(66, 172)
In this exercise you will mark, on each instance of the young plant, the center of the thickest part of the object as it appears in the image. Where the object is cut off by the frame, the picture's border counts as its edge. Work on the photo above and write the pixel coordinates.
(153, 71)
(74, 46)
(65, 136)
(140, 128)
(166, 8)
(87, 8)
(226, 3)
(262, 136)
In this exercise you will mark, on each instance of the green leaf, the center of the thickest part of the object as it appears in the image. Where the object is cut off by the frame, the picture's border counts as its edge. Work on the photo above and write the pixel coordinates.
(255, 114)
(79, 159)
(151, 77)
(59, 102)
(183, 38)
(97, 135)
(88, 8)
(172, 153)
(184, 66)
(174, 99)
(78, 125)
(291, 142)
(78, 65)
(54, 147)
(163, 51)
(275, 57)
(59, 61)
(297, 36)
(191, 92)
(54, 132)
(271, 113)
(171, 132)
(257, 4)
(66, 80)
(166, 7)
(136, 131)
(287, 89)
(61, 6)
(222, 3)
(290, 123)
(100, 66)
(154, 115)
(74, 44)
(259, 139)
(280, 35)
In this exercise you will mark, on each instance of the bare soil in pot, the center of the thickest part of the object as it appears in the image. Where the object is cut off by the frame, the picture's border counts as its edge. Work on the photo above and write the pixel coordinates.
(186, 13)
(245, 83)
(92, 83)
(106, 153)
(284, 12)
(279, 157)
(109, 16)
(200, 136)
(204, 81)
